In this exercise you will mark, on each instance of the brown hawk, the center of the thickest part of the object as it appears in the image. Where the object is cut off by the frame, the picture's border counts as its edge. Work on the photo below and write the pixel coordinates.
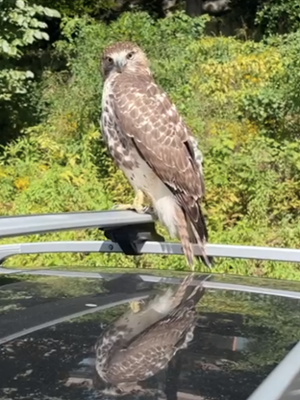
(152, 145)
(138, 345)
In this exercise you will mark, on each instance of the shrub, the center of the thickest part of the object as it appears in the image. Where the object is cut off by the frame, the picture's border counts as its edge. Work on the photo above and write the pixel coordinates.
(279, 16)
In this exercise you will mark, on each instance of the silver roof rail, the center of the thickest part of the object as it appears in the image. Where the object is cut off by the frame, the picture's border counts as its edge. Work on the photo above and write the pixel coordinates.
(21, 225)
(150, 247)
(126, 231)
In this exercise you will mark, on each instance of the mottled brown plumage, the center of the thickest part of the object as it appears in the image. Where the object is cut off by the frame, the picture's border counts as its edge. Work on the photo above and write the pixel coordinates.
(138, 345)
(151, 143)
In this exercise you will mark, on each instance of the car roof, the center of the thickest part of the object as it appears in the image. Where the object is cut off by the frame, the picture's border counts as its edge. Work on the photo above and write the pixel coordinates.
(246, 335)
(49, 325)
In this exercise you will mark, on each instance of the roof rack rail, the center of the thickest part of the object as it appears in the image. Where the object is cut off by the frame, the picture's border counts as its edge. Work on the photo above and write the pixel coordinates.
(127, 232)
(21, 225)
(127, 228)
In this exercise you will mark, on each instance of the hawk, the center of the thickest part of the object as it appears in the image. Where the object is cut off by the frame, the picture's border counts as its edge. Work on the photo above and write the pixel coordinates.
(152, 145)
(139, 344)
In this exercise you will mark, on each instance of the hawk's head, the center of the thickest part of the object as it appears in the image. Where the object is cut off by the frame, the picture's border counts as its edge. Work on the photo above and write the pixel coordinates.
(124, 56)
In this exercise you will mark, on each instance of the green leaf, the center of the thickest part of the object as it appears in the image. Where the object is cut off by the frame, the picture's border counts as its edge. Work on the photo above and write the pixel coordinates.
(52, 13)
(29, 36)
(5, 47)
(20, 4)
(29, 74)
(41, 35)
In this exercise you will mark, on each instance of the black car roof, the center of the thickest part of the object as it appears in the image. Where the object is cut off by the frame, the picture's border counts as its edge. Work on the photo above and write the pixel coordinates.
(246, 338)
(50, 323)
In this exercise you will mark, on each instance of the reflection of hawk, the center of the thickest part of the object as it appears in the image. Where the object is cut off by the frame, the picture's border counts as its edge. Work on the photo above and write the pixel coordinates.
(152, 145)
(138, 345)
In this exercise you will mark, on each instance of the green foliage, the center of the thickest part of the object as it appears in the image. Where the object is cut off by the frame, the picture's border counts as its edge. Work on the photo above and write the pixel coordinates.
(20, 26)
(240, 98)
(279, 16)
(80, 7)
(291, 78)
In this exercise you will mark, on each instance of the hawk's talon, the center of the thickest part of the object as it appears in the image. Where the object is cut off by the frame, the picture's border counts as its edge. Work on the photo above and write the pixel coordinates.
(137, 205)
(123, 207)
(130, 207)
(136, 306)
(141, 210)
(146, 209)
(124, 388)
(138, 202)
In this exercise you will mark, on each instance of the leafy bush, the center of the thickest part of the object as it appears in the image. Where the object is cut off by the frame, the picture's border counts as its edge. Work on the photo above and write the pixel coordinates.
(238, 97)
(279, 16)
(19, 27)
(72, 8)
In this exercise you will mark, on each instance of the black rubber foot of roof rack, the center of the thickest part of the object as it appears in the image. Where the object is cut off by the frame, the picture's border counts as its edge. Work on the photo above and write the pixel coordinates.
(129, 237)
(127, 283)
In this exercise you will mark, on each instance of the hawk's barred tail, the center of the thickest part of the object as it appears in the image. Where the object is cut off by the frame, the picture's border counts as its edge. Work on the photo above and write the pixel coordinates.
(197, 294)
(182, 289)
(188, 235)
(184, 237)
(199, 235)
(208, 260)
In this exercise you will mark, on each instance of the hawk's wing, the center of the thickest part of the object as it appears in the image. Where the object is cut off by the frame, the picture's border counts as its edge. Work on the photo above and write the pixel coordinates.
(149, 352)
(161, 137)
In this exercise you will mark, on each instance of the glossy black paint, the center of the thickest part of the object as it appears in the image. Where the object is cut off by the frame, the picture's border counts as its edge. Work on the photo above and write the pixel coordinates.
(240, 337)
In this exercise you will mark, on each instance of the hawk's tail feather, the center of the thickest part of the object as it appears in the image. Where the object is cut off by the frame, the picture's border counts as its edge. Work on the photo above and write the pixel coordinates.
(195, 228)
(184, 284)
(182, 291)
(198, 230)
(189, 303)
(197, 294)
(194, 238)
(184, 237)
(193, 231)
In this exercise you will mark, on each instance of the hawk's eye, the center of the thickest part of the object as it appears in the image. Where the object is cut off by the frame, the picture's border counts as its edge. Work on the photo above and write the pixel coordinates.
(130, 55)
(109, 60)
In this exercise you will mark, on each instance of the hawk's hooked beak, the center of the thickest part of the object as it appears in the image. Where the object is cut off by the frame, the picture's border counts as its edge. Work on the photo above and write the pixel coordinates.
(120, 64)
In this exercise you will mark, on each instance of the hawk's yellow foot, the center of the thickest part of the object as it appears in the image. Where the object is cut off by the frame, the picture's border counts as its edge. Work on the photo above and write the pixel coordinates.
(128, 388)
(138, 204)
(136, 306)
